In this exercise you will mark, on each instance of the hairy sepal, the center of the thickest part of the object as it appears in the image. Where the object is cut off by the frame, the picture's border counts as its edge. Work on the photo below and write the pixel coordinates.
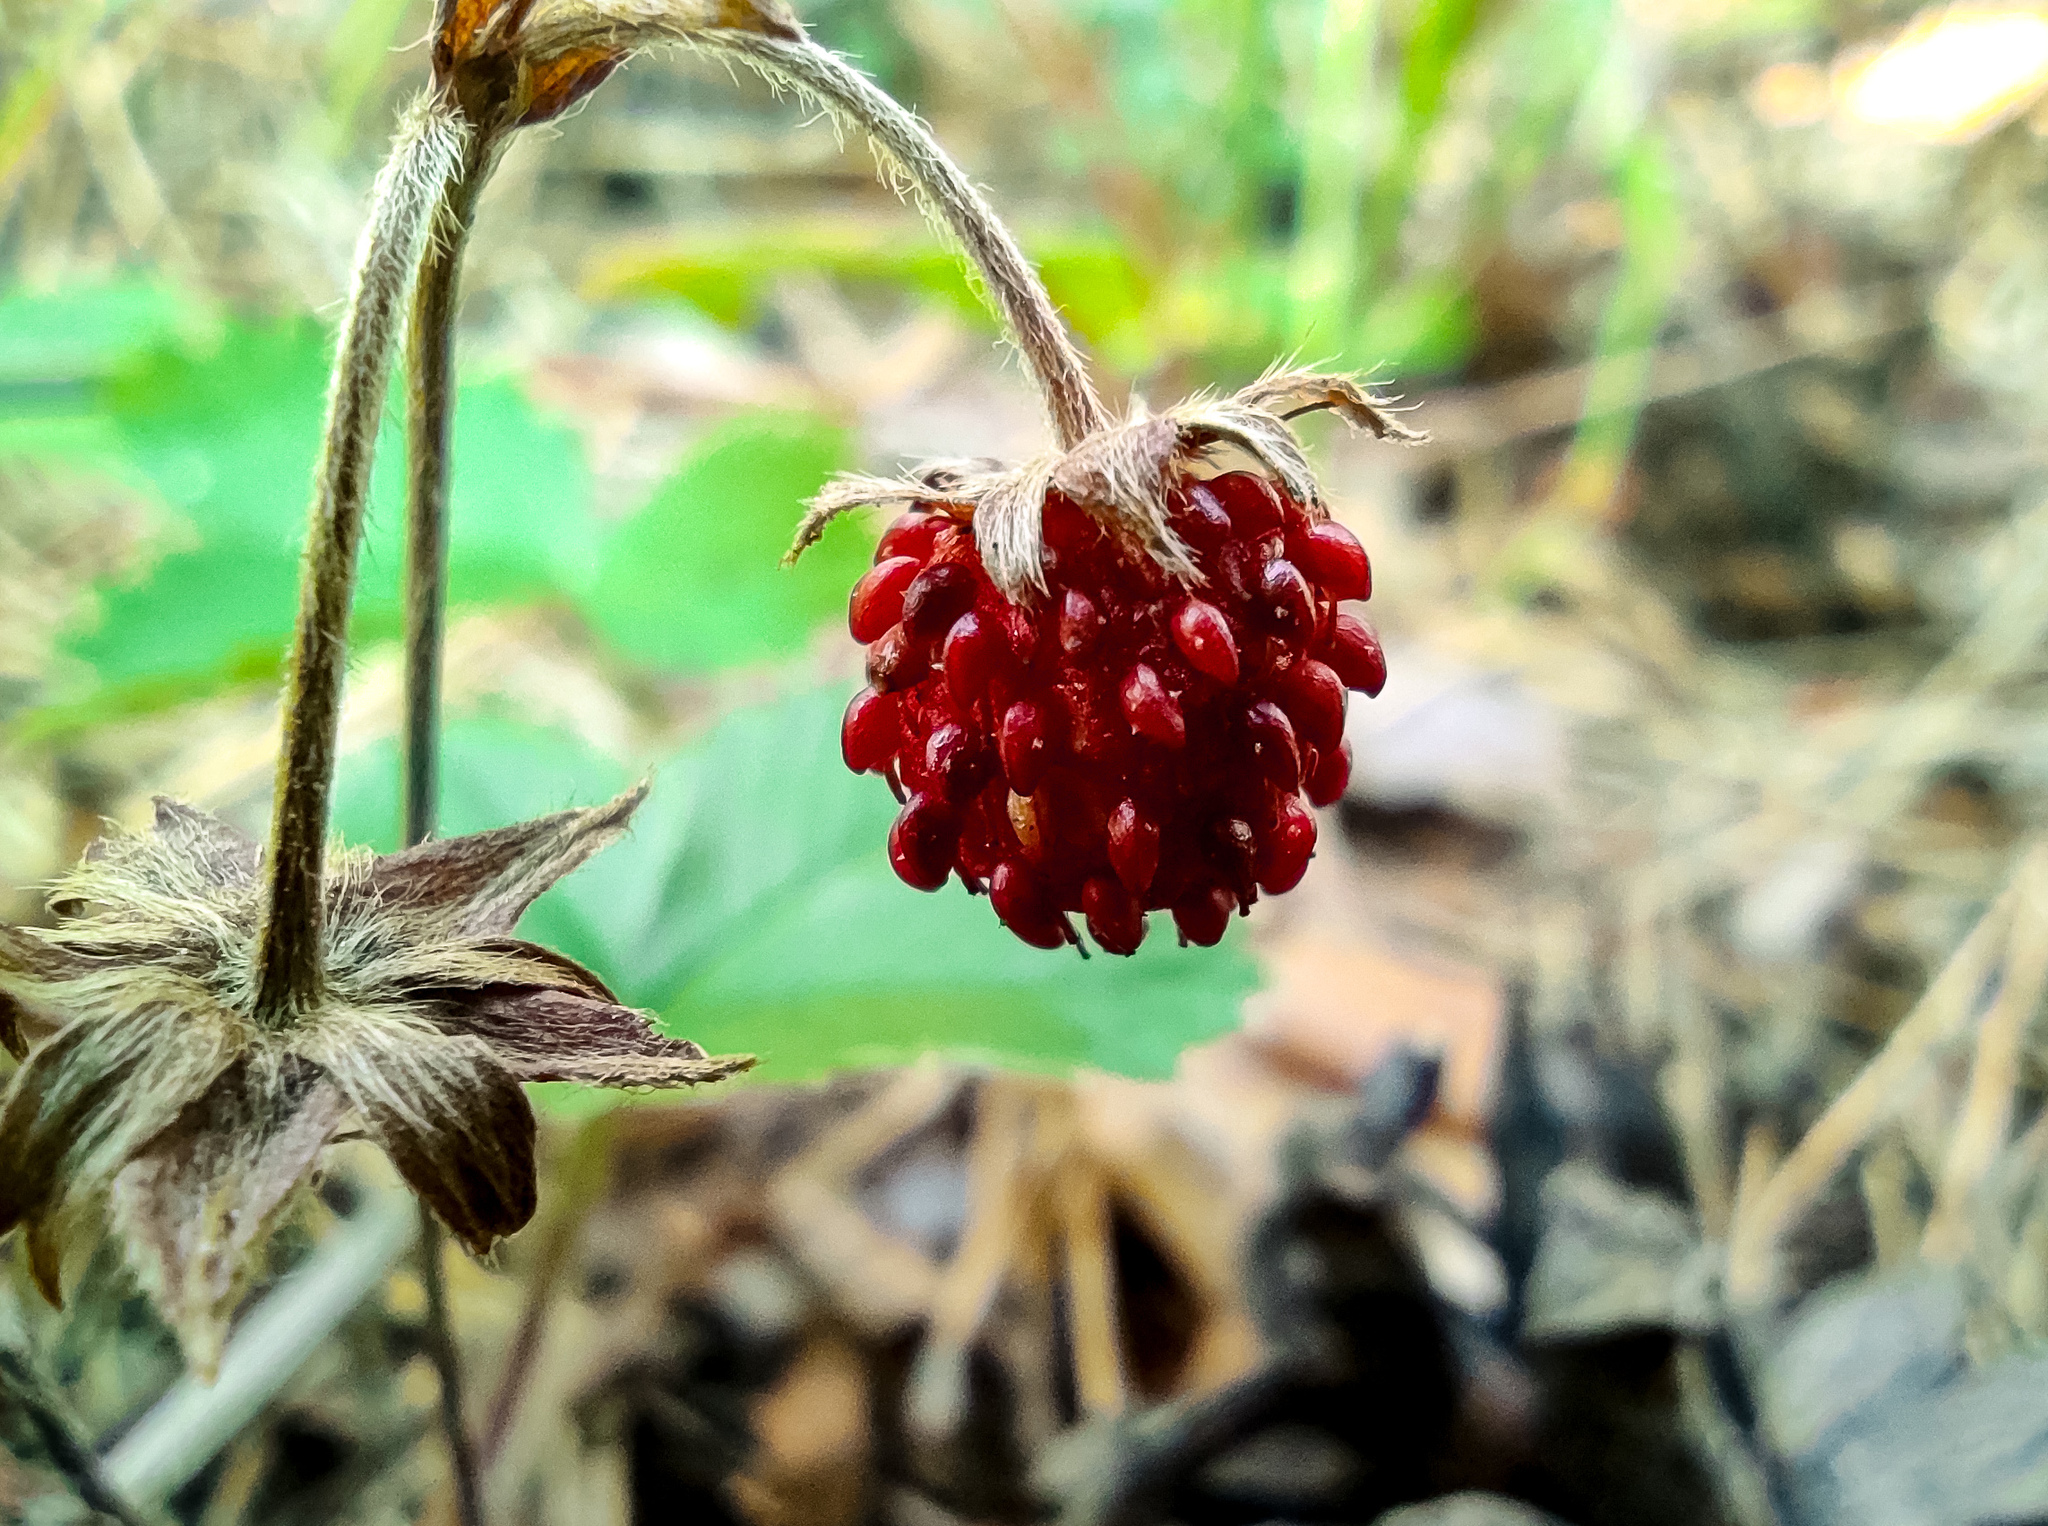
(1121, 475)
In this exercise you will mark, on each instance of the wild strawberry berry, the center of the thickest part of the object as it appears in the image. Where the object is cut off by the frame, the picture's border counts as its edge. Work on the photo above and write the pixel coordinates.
(1327, 775)
(877, 601)
(922, 843)
(1354, 655)
(871, 731)
(1129, 741)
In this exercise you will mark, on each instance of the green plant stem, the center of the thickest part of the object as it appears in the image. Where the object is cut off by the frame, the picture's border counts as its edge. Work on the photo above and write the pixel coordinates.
(290, 947)
(430, 408)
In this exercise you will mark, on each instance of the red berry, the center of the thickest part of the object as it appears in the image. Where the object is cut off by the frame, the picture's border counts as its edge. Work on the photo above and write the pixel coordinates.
(1080, 623)
(913, 534)
(1331, 555)
(1290, 606)
(1202, 521)
(1249, 500)
(1354, 654)
(1313, 698)
(1203, 637)
(1284, 850)
(1232, 848)
(1203, 915)
(1127, 742)
(869, 734)
(893, 663)
(877, 601)
(973, 652)
(921, 842)
(1115, 919)
(1133, 846)
(1151, 710)
(935, 598)
(1275, 753)
(1327, 780)
(953, 762)
(1025, 744)
(1019, 897)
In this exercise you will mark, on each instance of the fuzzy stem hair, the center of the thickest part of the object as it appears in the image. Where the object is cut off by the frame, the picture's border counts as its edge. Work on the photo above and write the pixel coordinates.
(426, 157)
(430, 408)
(1019, 296)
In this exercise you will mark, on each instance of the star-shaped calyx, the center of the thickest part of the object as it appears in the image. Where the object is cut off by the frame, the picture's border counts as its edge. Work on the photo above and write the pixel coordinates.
(150, 1080)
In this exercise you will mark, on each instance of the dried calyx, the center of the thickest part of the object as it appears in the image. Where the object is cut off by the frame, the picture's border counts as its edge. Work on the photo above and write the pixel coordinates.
(1124, 476)
(159, 1084)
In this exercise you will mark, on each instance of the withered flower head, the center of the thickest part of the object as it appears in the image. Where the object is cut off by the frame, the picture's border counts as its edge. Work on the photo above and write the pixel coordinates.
(513, 63)
(1122, 475)
(158, 1086)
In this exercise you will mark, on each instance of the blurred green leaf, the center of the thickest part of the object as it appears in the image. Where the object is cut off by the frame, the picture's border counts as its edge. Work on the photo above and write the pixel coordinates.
(1424, 326)
(228, 437)
(754, 907)
(695, 581)
(82, 331)
(731, 277)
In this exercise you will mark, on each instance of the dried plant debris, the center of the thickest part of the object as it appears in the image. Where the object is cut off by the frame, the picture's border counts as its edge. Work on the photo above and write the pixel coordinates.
(1883, 1419)
(150, 1079)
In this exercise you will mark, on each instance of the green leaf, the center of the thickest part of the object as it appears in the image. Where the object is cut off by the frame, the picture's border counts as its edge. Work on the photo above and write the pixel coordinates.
(754, 907)
(228, 436)
(694, 581)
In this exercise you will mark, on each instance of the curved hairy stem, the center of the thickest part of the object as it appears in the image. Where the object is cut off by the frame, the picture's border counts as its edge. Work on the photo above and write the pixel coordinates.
(1027, 311)
(430, 407)
(426, 157)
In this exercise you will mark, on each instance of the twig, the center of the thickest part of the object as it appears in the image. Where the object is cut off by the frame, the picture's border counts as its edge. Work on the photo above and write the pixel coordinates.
(1982, 1131)
(440, 1337)
(427, 157)
(577, 1183)
(430, 399)
(22, 1388)
(190, 1424)
(1776, 1207)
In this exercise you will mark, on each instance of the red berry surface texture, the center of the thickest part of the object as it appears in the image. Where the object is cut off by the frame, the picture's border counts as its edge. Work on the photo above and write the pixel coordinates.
(1130, 740)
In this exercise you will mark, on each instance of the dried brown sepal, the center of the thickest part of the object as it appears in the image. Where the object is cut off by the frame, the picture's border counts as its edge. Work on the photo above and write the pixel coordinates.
(1122, 475)
(450, 1116)
(92, 1094)
(157, 1084)
(480, 885)
(194, 1203)
(613, 1045)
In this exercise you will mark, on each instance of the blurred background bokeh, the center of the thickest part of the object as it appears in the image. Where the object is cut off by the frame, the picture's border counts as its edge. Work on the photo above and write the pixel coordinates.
(1715, 608)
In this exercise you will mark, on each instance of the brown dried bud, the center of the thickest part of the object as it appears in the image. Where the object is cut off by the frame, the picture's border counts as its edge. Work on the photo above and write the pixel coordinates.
(157, 1086)
(512, 63)
(1121, 475)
